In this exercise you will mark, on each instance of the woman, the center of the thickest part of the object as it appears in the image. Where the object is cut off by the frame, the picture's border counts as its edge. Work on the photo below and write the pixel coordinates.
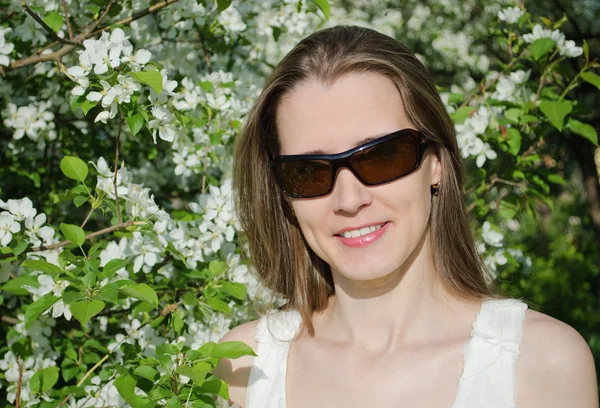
(349, 187)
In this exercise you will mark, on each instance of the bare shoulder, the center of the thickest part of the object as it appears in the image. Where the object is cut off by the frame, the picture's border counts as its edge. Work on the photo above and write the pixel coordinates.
(236, 372)
(555, 367)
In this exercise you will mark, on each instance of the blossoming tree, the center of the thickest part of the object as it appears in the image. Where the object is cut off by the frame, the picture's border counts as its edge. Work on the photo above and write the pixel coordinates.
(120, 254)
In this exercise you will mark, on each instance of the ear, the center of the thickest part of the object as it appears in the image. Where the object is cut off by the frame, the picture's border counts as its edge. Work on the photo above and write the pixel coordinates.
(436, 169)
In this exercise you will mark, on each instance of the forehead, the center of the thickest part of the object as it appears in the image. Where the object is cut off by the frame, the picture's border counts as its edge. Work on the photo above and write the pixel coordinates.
(334, 119)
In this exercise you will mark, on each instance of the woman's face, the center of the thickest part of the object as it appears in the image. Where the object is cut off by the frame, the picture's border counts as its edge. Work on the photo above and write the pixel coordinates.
(358, 106)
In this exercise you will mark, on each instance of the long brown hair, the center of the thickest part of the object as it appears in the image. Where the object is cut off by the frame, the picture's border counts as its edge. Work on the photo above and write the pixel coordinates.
(280, 256)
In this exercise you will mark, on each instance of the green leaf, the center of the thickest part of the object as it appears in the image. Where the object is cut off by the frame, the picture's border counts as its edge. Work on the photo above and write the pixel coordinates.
(223, 5)
(19, 247)
(197, 373)
(591, 78)
(324, 7)
(38, 307)
(217, 267)
(84, 311)
(113, 266)
(556, 111)
(44, 380)
(556, 179)
(583, 129)
(15, 286)
(73, 233)
(507, 209)
(43, 266)
(541, 47)
(125, 384)
(177, 322)
(214, 385)
(86, 106)
(146, 372)
(70, 296)
(54, 20)
(141, 291)
(135, 123)
(79, 201)
(237, 290)
(109, 293)
(218, 305)
(152, 78)
(74, 168)
(513, 114)
(232, 349)
(73, 390)
(461, 114)
(514, 142)
(586, 51)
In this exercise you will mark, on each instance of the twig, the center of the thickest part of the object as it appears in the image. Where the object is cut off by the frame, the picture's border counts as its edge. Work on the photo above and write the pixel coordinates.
(204, 166)
(137, 15)
(89, 31)
(90, 371)
(89, 214)
(64, 4)
(169, 308)
(58, 54)
(116, 168)
(89, 236)
(9, 320)
(493, 80)
(45, 26)
(19, 384)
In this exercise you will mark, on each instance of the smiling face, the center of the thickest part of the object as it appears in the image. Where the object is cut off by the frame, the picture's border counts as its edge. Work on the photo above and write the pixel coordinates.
(356, 107)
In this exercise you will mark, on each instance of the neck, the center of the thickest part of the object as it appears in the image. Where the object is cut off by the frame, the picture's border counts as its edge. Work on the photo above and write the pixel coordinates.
(407, 306)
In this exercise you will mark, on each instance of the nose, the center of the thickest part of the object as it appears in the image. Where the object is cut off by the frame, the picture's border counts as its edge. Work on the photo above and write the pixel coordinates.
(349, 194)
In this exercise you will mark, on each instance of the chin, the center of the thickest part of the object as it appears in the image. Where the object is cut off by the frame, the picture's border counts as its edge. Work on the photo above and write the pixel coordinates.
(367, 272)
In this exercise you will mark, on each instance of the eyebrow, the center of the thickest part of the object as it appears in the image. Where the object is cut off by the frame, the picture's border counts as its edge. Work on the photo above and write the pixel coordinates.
(360, 142)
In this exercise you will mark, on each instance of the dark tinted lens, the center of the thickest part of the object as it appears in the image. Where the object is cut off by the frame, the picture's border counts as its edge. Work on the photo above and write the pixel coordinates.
(304, 178)
(387, 161)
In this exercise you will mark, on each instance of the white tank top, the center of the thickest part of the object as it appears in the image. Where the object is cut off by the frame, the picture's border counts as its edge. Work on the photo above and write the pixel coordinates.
(490, 356)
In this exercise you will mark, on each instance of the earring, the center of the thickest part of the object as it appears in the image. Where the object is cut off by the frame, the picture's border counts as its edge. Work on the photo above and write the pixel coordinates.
(435, 188)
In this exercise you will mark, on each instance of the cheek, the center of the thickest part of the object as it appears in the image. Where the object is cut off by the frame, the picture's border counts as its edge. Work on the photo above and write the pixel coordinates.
(312, 218)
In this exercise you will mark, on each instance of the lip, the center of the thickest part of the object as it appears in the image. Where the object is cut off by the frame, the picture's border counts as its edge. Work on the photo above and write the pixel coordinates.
(365, 239)
(359, 227)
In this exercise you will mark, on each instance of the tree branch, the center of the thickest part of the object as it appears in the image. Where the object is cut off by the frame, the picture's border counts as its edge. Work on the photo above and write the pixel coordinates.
(88, 32)
(116, 168)
(45, 26)
(89, 236)
(64, 5)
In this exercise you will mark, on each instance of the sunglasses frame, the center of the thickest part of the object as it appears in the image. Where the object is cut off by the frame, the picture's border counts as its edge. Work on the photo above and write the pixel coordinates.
(342, 160)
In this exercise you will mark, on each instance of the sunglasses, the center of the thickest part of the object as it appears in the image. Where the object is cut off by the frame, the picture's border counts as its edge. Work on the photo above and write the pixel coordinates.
(376, 162)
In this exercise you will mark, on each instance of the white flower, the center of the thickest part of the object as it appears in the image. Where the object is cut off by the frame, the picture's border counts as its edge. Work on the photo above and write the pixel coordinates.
(486, 153)
(47, 285)
(505, 90)
(490, 236)
(105, 179)
(162, 124)
(8, 227)
(231, 20)
(570, 50)
(59, 309)
(147, 254)
(518, 77)
(21, 209)
(511, 14)
(5, 47)
(539, 32)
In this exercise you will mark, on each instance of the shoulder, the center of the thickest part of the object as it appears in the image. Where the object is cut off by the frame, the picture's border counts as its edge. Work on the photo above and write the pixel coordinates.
(555, 367)
(236, 372)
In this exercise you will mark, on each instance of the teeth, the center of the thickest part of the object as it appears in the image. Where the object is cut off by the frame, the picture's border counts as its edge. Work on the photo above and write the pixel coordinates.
(360, 232)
